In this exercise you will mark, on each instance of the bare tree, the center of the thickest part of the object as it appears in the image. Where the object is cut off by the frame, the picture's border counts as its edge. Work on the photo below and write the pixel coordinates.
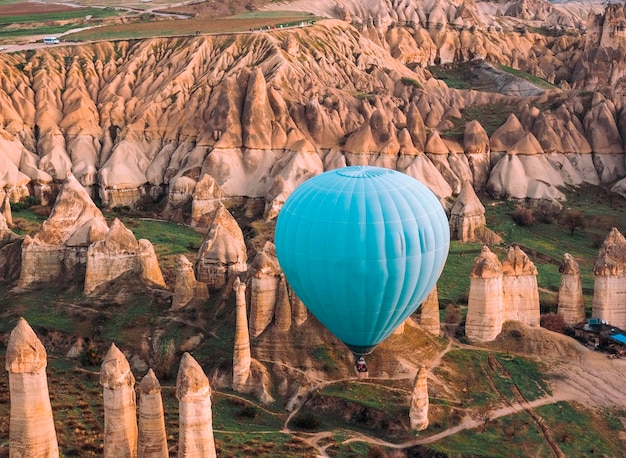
(573, 219)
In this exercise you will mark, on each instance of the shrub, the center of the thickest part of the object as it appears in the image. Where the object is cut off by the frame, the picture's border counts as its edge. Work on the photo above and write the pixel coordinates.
(523, 216)
(553, 322)
(306, 420)
(547, 211)
(453, 314)
(573, 219)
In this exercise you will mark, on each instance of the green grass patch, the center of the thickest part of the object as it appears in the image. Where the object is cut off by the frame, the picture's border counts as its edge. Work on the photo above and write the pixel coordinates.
(580, 433)
(539, 82)
(167, 238)
(453, 285)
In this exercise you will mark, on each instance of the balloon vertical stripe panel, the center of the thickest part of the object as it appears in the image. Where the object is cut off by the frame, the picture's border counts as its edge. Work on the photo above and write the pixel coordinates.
(362, 247)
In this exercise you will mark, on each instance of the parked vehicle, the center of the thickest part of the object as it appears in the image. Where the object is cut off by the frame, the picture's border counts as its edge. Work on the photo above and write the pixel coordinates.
(51, 40)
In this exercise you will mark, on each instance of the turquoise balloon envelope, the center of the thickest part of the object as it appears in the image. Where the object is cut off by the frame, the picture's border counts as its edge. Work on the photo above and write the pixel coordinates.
(362, 247)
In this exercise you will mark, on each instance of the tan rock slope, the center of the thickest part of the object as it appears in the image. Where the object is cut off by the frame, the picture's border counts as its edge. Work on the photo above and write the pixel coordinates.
(259, 113)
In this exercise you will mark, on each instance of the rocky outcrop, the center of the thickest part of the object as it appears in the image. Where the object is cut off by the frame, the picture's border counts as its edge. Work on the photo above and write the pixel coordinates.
(60, 246)
(118, 253)
(609, 291)
(186, 287)
(241, 356)
(484, 308)
(467, 215)
(571, 304)
(120, 409)
(264, 285)
(152, 439)
(10, 252)
(223, 251)
(206, 197)
(31, 426)
(418, 413)
(520, 300)
(429, 317)
(193, 392)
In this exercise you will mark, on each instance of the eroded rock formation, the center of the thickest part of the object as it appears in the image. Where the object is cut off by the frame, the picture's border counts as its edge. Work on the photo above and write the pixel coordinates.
(120, 408)
(418, 413)
(484, 305)
(264, 288)
(31, 426)
(241, 356)
(429, 317)
(152, 439)
(571, 304)
(223, 250)
(467, 215)
(193, 392)
(186, 287)
(609, 290)
(520, 299)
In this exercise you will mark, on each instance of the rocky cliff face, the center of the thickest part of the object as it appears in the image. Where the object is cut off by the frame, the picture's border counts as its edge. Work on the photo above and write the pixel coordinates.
(571, 300)
(135, 120)
(609, 289)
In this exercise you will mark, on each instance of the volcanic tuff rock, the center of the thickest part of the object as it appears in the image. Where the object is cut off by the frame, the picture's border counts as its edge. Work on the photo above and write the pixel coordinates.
(120, 409)
(429, 317)
(223, 250)
(609, 290)
(61, 244)
(31, 426)
(264, 282)
(520, 300)
(484, 306)
(134, 120)
(467, 214)
(193, 392)
(418, 413)
(117, 253)
(241, 355)
(152, 439)
(186, 287)
(571, 300)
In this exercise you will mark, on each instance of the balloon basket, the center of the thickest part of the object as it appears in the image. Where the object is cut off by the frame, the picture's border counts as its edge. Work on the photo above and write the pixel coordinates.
(360, 367)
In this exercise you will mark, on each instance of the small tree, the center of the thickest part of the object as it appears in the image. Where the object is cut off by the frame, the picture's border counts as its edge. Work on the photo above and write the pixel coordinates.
(453, 314)
(553, 322)
(523, 216)
(573, 219)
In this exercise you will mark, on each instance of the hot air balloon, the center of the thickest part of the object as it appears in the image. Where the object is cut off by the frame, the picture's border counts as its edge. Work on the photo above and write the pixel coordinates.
(362, 247)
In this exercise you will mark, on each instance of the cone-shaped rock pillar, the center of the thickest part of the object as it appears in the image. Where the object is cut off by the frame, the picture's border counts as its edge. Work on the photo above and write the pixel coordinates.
(520, 301)
(283, 306)
(571, 299)
(299, 313)
(484, 307)
(241, 356)
(152, 441)
(120, 409)
(31, 427)
(429, 319)
(195, 415)
(418, 414)
(609, 290)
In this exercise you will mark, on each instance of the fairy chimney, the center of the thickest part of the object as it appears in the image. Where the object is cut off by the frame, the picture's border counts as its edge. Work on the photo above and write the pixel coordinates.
(193, 391)
(467, 214)
(299, 312)
(241, 356)
(418, 414)
(31, 426)
(429, 318)
(520, 300)
(120, 409)
(206, 197)
(484, 308)
(186, 287)
(282, 319)
(223, 250)
(6, 210)
(571, 304)
(152, 439)
(609, 292)
(264, 283)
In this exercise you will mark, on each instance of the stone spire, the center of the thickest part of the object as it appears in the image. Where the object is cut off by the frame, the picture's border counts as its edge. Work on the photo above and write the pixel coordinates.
(299, 312)
(467, 214)
(241, 356)
(263, 289)
(120, 409)
(609, 289)
(152, 440)
(6, 210)
(519, 285)
(484, 308)
(571, 300)
(195, 415)
(186, 286)
(418, 414)
(429, 318)
(223, 250)
(31, 427)
(283, 306)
